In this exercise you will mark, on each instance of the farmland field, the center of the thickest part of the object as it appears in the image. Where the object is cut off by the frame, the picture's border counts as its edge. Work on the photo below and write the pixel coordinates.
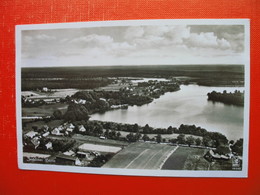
(99, 148)
(44, 110)
(141, 156)
(96, 140)
(178, 160)
(55, 93)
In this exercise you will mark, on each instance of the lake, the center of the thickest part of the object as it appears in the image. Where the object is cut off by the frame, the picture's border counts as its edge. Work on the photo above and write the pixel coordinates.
(187, 106)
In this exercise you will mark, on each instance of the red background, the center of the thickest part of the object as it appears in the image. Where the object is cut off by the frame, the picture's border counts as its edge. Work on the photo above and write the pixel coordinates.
(13, 12)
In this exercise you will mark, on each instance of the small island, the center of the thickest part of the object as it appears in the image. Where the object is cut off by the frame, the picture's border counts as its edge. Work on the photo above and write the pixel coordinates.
(236, 98)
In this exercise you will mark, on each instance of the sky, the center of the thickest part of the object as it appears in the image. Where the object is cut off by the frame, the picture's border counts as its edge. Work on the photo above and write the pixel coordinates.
(134, 45)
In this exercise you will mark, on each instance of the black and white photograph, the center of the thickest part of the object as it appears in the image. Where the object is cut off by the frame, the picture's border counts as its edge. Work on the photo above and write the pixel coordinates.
(138, 97)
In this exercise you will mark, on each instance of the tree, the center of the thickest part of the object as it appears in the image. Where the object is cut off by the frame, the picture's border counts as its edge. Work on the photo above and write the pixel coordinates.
(181, 139)
(238, 147)
(223, 149)
(190, 140)
(76, 112)
(136, 128)
(173, 141)
(98, 130)
(57, 114)
(170, 130)
(112, 134)
(146, 129)
(35, 128)
(130, 137)
(198, 141)
(145, 137)
(118, 134)
(159, 138)
(231, 142)
(107, 133)
(206, 141)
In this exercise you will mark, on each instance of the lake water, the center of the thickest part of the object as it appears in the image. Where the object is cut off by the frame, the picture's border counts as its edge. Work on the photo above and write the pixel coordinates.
(187, 106)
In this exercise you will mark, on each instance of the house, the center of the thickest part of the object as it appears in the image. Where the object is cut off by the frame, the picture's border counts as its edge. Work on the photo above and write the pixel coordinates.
(56, 131)
(82, 128)
(103, 99)
(60, 128)
(69, 130)
(70, 125)
(45, 128)
(80, 101)
(31, 134)
(82, 154)
(36, 142)
(48, 146)
(62, 159)
(45, 89)
(69, 153)
(115, 106)
(46, 134)
(211, 155)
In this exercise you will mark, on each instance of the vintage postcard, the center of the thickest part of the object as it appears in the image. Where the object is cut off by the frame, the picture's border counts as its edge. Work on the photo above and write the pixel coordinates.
(145, 97)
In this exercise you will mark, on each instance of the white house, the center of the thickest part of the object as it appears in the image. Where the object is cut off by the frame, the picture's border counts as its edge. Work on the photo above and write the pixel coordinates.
(46, 134)
(77, 162)
(82, 101)
(36, 142)
(69, 130)
(69, 153)
(45, 89)
(48, 145)
(31, 134)
(56, 131)
(70, 125)
(82, 128)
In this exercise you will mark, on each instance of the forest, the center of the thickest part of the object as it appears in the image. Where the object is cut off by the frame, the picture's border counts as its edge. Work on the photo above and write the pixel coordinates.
(98, 76)
(236, 98)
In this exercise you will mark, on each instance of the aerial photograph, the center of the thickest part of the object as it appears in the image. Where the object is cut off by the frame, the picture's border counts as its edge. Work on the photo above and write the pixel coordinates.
(149, 96)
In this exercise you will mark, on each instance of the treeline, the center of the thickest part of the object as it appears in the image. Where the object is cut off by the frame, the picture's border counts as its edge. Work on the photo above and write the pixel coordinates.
(238, 147)
(75, 112)
(205, 71)
(219, 74)
(28, 85)
(111, 97)
(111, 131)
(101, 101)
(236, 98)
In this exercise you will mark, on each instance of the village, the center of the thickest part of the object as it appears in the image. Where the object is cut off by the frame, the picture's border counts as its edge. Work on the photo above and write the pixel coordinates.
(92, 145)
(73, 139)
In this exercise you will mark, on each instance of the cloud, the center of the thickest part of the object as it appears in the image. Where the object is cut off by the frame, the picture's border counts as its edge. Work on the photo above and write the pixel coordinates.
(206, 40)
(43, 37)
(134, 32)
(38, 38)
(156, 36)
(135, 44)
(93, 39)
(236, 41)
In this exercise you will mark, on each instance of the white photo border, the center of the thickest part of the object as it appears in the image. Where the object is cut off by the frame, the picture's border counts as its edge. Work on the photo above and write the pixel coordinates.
(134, 172)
